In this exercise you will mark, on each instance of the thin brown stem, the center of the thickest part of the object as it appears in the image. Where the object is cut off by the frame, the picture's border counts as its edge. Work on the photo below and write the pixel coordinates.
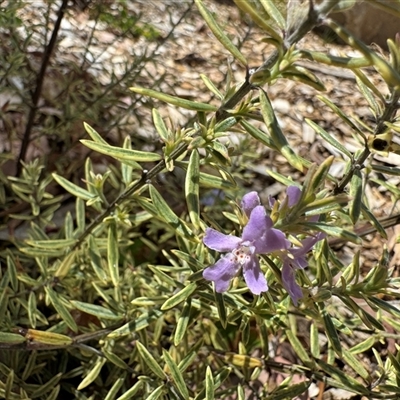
(39, 84)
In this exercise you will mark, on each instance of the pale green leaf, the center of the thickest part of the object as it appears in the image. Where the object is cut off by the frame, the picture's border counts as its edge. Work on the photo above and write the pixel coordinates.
(121, 154)
(219, 33)
(175, 101)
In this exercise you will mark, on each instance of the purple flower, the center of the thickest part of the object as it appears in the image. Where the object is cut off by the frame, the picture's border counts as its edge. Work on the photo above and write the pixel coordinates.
(293, 194)
(258, 237)
(294, 259)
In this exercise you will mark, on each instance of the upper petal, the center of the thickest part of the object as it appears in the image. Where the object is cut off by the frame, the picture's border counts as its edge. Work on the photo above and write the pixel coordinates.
(293, 194)
(221, 273)
(249, 202)
(219, 241)
(257, 225)
(254, 277)
(289, 283)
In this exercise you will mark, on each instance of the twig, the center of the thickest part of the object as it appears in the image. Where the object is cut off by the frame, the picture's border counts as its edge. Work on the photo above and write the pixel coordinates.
(39, 85)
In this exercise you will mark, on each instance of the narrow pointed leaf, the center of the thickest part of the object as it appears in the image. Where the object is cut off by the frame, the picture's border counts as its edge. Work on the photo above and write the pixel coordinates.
(175, 101)
(219, 33)
(177, 298)
(75, 190)
(356, 192)
(150, 360)
(176, 375)
(93, 134)
(121, 154)
(156, 393)
(330, 139)
(61, 308)
(183, 322)
(207, 81)
(94, 309)
(192, 188)
(93, 373)
(274, 13)
(130, 394)
(113, 253)
(65, 265)
(276, 133)
(209, 384)
(247, 7)
(160, 126)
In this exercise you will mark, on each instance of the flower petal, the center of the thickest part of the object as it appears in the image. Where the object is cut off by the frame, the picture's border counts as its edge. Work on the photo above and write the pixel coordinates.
(293, 194)
(289, 283)
(249, 202)
(273, 240)
(307, 245)
(257, 225)
(219, 241)
(254, 277)
(221, 273)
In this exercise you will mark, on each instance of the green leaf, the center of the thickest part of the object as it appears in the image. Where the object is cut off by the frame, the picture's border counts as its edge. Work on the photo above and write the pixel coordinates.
(209, 384)
(131, 392)
(115, 359)
(357, 365)
(175, 101)
(65, 265)
(75, 190)
(150, 360)
(248, 8)
(314, 341)
(343, 380)
(160, 126)
(93, 309)
(211, 86)
(156, 393)
(177, 298)
(388, 73)
(11, 338)
(165, 213)
(46, 387)
(176, 375)
(330, 139)
(298, 347)
(290, 392)
(192, 188)
(52, 244)
(12, 272)
(258, 134)
(113, 253)
(183, 322)
(219, 300)
(330, 330)
(333, 231)
(93, 373)
(274, 13)
(385, 169)
(121, 154)
(61, 308)
(341, 114)
(219, 34)
(303, 75)
(276, 133)
(356, 192)
(211, 181)
(93, 134)
(137, 324)
(32, 309)
(115, 388)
